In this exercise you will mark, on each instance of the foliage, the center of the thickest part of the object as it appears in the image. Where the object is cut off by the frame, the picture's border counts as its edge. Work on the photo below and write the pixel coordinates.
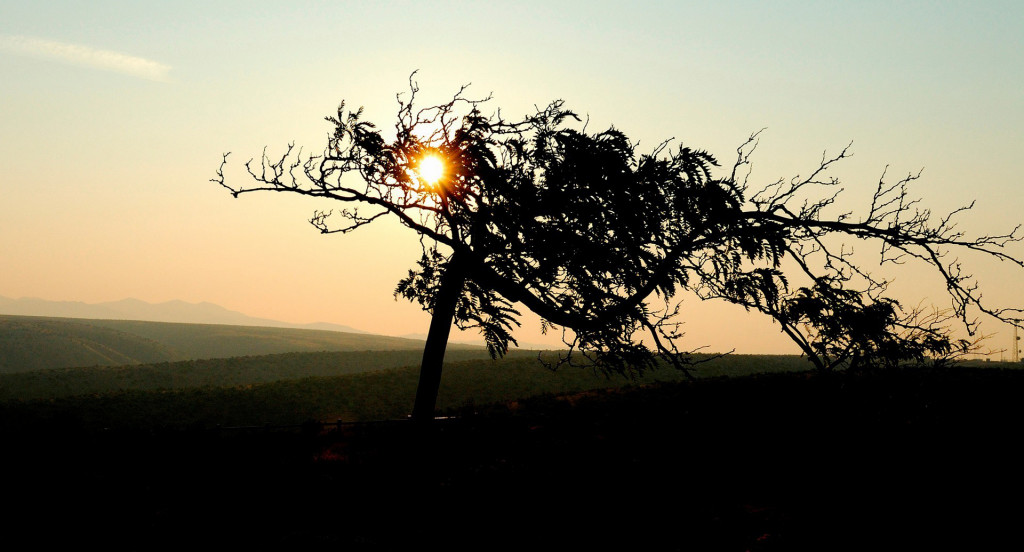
(598, 238)
(836, 327)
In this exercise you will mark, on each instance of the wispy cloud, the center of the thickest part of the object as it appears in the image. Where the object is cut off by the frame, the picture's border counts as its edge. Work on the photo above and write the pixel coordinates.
(83, 55)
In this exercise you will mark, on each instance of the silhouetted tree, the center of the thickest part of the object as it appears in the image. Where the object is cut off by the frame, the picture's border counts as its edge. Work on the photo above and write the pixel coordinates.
(837, 327)
(597, 239)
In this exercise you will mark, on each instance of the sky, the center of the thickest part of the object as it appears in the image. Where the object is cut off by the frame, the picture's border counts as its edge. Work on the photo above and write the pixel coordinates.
(115, 116)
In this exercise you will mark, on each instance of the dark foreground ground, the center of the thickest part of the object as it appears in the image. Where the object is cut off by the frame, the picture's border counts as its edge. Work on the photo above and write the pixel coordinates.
(907, 460)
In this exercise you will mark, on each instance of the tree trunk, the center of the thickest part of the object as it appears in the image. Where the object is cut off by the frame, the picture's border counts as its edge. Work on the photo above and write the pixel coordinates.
(437, 340)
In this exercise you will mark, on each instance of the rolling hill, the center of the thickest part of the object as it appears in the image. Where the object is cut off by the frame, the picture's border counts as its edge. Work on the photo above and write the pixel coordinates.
(34, 343)
(168, 311)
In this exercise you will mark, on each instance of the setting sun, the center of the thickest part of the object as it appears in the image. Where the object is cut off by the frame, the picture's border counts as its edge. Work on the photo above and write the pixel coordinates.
(431, 169)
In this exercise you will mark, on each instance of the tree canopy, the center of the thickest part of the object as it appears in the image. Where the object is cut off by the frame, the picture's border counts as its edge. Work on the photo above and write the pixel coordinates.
(599, 239)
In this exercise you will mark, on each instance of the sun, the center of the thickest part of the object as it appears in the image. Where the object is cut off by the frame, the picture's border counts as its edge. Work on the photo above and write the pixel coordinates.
(431, 169)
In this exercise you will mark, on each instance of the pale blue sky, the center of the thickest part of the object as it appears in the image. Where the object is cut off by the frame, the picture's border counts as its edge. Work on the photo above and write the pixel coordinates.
(115, 115)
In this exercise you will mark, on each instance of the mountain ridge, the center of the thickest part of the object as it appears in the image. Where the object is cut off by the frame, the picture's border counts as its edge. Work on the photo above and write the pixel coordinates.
(174, 310)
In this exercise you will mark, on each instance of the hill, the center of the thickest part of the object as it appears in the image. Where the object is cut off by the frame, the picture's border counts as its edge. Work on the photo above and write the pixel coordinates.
(33, 343)
(168, 311)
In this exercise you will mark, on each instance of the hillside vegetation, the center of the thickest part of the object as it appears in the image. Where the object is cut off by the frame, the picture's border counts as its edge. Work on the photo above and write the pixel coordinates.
(294, 388)
(216, 372)
(34, 343)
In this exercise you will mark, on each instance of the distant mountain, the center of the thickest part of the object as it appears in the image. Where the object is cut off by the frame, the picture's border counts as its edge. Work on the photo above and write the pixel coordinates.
(134, 309)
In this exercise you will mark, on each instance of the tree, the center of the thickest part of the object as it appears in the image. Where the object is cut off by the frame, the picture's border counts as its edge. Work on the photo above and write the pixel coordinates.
(598, 239)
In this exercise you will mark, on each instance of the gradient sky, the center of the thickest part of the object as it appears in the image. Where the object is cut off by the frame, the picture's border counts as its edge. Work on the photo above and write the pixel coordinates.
(115, 115)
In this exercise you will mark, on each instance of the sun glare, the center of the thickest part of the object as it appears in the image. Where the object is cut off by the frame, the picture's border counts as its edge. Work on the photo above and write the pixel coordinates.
(431, 169)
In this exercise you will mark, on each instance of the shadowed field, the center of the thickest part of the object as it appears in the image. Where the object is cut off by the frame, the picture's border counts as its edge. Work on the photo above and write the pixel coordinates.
(294, 388)
(788, 461)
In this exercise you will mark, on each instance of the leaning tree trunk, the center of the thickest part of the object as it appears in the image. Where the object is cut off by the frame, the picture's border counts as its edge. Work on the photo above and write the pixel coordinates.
(437, 341)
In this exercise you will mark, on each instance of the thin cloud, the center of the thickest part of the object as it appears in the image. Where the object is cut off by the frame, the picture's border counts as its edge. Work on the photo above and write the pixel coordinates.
(76, 54)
